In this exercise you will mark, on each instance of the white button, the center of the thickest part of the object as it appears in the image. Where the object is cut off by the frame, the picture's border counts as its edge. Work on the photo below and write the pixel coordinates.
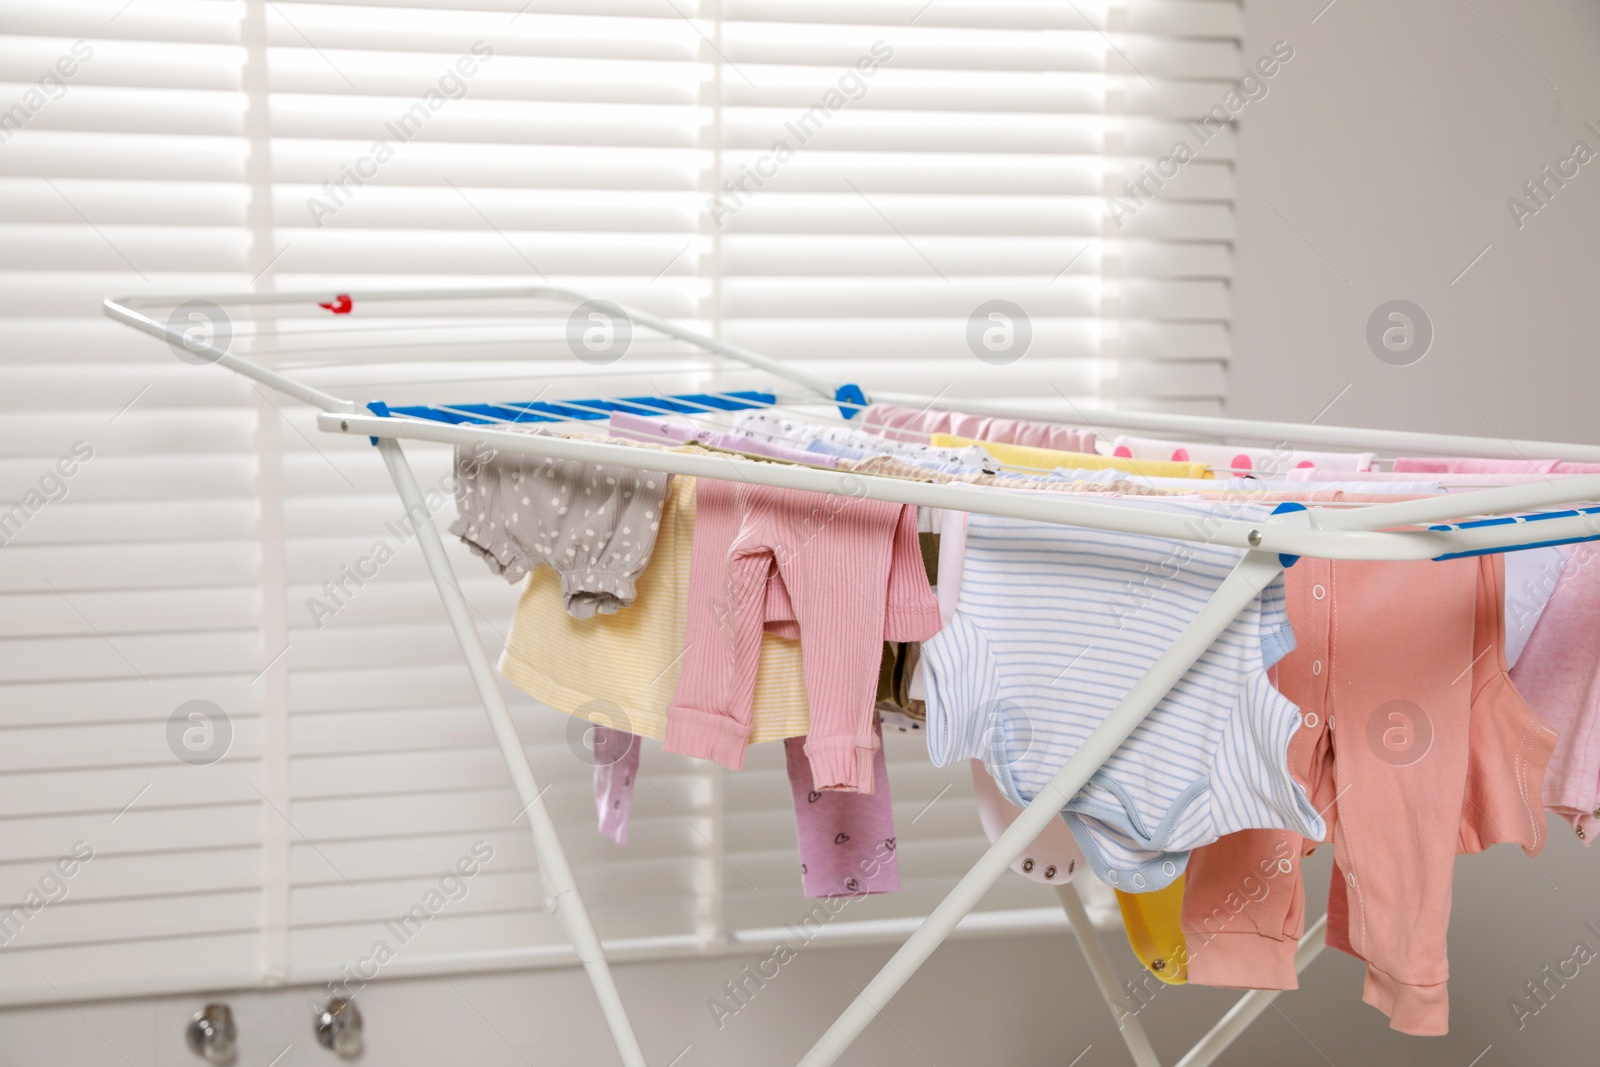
(1310, 720)
(1316, 666)
(1169, 868)
(1111, 876)
(1138, 881)
(1330, 722)
(1285, 866)
(1350, 879)
(1318, 592)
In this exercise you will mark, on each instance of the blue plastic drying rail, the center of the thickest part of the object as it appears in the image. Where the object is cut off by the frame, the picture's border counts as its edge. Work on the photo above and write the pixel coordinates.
(1508, 520)
(585, 410)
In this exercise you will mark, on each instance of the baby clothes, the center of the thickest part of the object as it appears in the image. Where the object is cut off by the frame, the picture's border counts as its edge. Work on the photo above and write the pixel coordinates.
(1531, 574)
(658, 430)
(900, 660)
(1532, 577)
(1447, 480)
(797, 433)
(1557, 671)
(1153, 923)
(1053, 857)
(946, 589)
(1394, 875)
(1261, 487)
(1278, 488)
(951, 562)
(616, 770)
(1467, 465)
(1042, 460)
(1103, 476)
(1244, 902)
(1397, 718)
(1559, 675)
(1266, 462)
(480, 523)
(908, 424)
(853, 576)
(594, 525)
(847, 841)
(893, 467)
(1054, 625)
(621, 670)
(936, 461)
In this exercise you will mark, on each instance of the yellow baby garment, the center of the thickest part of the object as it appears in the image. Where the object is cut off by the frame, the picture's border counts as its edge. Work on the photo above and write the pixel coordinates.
(1031, 460)
(621, 670)
(1155, 931)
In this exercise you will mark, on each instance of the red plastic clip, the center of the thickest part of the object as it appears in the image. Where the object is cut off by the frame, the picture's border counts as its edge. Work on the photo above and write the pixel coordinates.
(341, 304)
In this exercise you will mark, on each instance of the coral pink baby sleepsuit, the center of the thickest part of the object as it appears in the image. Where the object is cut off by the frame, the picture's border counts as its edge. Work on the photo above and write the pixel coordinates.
(1420, 747)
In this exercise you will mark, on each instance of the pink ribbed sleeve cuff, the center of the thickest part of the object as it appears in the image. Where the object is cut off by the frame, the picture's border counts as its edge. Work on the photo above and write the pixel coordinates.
(708, 735)
(840, 763)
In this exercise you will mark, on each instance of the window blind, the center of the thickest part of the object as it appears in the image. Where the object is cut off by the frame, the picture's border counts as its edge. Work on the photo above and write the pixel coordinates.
(936, 159)
(130, 585)
(967, 159)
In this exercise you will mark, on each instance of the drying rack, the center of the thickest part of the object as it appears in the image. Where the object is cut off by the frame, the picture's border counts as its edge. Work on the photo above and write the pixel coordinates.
(1409, 530)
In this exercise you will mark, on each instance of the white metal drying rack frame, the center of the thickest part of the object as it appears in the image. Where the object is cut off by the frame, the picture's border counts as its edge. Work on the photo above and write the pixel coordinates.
(1375, 532)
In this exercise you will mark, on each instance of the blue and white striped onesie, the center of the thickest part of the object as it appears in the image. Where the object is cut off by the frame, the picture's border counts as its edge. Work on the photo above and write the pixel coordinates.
(1055, 624)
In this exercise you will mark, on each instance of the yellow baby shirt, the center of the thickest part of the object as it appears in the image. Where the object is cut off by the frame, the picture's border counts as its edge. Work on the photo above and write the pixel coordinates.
(1033, 460)
(621, 670)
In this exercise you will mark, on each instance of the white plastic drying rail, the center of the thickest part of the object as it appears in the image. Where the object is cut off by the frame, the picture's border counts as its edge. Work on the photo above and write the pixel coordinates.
(1370, 533)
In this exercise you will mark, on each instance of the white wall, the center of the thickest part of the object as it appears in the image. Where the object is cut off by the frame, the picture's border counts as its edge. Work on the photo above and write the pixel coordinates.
(1378, 167)
(1385, 152)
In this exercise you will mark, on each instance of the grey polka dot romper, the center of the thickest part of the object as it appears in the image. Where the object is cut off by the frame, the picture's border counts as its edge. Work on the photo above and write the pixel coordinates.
(594, 525)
